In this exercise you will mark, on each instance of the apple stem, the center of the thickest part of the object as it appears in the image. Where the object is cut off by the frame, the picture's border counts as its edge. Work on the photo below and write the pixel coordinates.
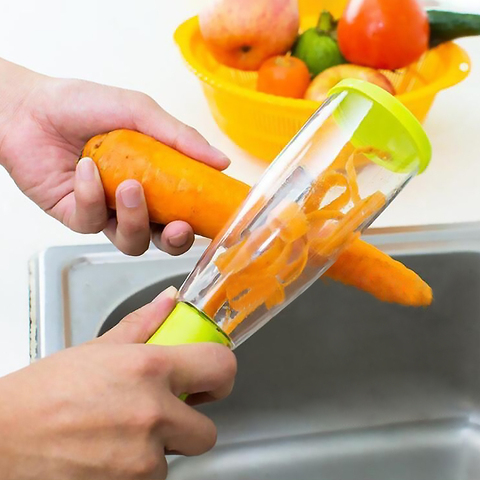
(326, 22)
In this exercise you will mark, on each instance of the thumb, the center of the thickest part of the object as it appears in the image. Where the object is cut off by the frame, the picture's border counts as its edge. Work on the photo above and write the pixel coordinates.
(140, 325)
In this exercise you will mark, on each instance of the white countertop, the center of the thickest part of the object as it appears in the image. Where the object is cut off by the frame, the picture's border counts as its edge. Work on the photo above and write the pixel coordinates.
(129, 44)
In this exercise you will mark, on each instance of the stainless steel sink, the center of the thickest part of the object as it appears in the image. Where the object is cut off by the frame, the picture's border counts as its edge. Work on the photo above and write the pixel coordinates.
(338, 387)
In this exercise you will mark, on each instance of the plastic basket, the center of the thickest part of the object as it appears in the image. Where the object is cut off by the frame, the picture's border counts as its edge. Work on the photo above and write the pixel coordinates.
(263, 124)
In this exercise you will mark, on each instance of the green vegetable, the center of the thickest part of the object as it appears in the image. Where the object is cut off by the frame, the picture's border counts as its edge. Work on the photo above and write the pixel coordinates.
(446, 26)
(318, 46)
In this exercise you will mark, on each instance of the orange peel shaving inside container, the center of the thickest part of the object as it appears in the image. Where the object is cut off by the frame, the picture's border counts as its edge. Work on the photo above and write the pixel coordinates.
(257, 269)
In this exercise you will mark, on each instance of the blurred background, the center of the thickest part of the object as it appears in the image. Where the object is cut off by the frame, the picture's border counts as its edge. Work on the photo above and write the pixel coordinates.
(130, 45)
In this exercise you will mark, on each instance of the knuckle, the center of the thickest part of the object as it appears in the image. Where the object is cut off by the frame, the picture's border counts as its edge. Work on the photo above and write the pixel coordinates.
(142, 365)
(150, 417)
(184, 132)
(145, 98)
(188, 130)
(90, 199)
(142, 100)
(149, 465)
(130, 326)
(147, 365)
(132, 227)
(133, 317)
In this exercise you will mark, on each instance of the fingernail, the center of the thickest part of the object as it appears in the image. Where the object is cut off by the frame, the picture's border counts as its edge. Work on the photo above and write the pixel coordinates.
(170, 293)
(220, 155)
(131, 196)
(86, 169)
(178, 240)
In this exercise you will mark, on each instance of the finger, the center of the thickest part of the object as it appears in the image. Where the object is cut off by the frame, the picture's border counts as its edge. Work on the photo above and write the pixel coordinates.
(140, 325)
(176, 238)
(121, 108)
(200, 368)
(190, 432)
(152, 120)
(90, 212)
(131, 231)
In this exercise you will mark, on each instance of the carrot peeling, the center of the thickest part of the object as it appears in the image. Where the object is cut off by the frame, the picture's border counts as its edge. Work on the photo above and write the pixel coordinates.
(179, 188)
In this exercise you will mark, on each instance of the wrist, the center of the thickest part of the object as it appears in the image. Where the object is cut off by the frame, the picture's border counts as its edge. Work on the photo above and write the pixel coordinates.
(16, 85)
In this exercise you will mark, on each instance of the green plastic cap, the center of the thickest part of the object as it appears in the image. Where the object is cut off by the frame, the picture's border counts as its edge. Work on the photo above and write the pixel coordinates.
(389, 125)
(185, 325)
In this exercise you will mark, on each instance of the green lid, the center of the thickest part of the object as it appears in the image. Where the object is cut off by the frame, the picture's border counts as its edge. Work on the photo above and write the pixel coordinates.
(388, 125)
(185, 325)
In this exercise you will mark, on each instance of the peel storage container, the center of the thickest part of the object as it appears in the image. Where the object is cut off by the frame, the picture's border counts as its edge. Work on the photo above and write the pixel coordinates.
(343, 168)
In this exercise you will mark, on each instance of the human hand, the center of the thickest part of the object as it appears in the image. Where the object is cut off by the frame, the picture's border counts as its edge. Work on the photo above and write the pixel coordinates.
(43, 129)
(109, 409)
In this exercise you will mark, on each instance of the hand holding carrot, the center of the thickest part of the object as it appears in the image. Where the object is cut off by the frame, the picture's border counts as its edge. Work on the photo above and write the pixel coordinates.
(45, 123)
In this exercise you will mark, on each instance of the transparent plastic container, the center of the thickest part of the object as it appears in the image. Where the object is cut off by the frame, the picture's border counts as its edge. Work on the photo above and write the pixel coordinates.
(341, 170)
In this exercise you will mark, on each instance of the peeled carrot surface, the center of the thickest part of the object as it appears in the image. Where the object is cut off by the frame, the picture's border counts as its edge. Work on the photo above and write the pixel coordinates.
(179, 188)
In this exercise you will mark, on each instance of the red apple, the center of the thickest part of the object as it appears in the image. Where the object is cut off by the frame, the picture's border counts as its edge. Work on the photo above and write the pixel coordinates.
(243, 33)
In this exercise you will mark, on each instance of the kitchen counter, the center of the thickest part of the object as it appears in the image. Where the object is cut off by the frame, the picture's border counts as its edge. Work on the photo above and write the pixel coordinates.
(130, 46)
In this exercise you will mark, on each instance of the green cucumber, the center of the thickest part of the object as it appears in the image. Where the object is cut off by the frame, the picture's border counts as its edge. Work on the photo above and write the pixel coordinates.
(447, 26)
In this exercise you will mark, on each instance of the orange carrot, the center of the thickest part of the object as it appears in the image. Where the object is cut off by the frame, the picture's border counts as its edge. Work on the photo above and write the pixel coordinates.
(176, 187)
(180, 188)
(363, 266)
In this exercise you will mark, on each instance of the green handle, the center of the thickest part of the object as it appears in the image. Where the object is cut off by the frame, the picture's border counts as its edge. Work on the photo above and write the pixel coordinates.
(187, 325)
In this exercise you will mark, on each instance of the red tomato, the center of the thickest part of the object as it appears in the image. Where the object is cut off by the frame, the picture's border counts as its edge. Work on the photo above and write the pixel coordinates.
(388, 34)
(284, 76)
